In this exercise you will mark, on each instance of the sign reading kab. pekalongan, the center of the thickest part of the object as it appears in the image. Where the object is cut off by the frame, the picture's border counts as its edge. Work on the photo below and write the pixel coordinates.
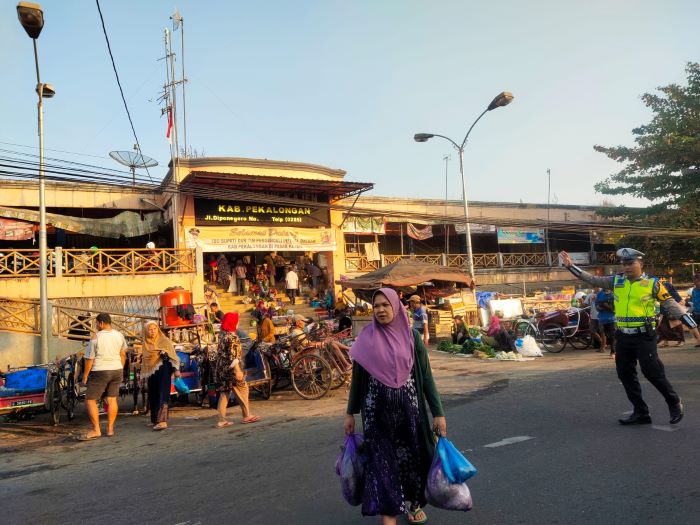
(212, 212)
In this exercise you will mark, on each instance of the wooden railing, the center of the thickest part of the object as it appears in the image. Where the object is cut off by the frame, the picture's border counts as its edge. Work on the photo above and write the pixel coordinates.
(76, 323)
(606, 258)
(73, 323)
(108, 262)
(25, 263)
(481, 260)
(517, 260)
(19, 316)
(359, 263)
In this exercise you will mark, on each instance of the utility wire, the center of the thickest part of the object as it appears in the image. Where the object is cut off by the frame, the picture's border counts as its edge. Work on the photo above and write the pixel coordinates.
(56, 150)
(121, 91)
(83, 176)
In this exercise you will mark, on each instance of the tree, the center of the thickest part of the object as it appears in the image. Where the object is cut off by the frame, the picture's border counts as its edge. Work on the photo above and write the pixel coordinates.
(663, 167)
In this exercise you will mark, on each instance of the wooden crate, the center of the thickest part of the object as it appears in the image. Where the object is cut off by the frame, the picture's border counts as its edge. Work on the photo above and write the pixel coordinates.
(440, 330)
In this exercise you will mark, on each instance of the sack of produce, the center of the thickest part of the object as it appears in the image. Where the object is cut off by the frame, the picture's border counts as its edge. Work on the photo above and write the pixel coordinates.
(529, 347)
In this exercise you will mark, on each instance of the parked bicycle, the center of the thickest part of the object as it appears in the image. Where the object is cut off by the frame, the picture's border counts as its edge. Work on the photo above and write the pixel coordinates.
(555, 329)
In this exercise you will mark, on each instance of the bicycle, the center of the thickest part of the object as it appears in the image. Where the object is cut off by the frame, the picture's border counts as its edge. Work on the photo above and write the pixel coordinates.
(554, 330)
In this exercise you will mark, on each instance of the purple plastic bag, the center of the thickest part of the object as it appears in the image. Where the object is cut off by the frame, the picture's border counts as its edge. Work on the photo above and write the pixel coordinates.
(445, 495)
(350, 466)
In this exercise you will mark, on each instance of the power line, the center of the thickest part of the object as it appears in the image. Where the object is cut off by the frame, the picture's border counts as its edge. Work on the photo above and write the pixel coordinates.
(56, 150)
(121, 91)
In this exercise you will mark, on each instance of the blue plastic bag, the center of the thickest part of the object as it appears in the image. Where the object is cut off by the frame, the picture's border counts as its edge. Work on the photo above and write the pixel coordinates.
(181, 386)
(350, 466)
(440, 493)
(457, 468)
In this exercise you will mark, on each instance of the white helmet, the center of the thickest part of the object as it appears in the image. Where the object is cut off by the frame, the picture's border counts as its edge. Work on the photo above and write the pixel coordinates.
(151, 246)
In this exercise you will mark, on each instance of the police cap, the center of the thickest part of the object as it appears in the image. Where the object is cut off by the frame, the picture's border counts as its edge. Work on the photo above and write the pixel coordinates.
(629, 254)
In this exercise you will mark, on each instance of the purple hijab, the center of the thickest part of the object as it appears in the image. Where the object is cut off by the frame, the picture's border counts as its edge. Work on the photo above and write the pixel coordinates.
(386, 351)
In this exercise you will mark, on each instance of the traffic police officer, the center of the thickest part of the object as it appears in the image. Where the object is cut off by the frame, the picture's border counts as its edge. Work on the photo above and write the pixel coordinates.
(635, 336)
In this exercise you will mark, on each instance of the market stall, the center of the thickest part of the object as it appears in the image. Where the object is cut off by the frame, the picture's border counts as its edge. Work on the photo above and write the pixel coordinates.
(446, 291)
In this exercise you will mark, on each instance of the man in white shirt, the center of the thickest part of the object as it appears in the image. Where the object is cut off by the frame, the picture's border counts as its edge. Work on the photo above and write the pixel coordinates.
(102, 373)
(292, 284)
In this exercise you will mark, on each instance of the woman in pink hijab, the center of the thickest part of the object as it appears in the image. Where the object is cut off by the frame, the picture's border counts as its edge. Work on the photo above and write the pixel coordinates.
(391, 383)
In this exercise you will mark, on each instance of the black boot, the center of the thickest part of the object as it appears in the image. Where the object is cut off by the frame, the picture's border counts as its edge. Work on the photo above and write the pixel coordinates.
(636, 419)
(676, 413)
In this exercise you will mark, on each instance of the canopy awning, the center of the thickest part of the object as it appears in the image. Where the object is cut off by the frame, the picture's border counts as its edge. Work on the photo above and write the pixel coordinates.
(406, 272)
(334, 189)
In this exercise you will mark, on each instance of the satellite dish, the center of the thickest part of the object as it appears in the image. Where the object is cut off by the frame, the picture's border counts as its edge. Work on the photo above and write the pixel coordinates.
(133, 160)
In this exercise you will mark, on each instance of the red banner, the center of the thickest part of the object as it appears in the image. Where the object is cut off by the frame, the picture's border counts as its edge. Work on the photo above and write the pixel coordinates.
(420, 234)
(15, 230)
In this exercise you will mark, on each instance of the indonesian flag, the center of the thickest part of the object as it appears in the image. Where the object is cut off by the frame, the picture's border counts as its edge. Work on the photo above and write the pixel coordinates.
(170, 126)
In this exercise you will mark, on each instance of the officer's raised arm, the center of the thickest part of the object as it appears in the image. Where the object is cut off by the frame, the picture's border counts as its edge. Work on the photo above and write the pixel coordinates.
(602, 282)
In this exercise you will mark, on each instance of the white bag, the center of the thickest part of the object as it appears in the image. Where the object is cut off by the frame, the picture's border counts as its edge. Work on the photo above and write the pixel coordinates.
(529, 347)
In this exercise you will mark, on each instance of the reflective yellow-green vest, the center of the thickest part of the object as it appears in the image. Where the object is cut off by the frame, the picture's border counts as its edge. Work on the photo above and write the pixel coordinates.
(634, 301)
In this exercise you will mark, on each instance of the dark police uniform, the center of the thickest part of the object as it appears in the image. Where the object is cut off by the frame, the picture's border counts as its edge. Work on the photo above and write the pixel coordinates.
(636, 335)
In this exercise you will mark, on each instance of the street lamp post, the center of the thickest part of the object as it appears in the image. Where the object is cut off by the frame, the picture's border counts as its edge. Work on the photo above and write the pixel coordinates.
(503, 99)
(31, 17)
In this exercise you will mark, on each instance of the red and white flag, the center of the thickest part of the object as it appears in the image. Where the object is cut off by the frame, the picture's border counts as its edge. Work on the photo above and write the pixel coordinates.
(170, 126)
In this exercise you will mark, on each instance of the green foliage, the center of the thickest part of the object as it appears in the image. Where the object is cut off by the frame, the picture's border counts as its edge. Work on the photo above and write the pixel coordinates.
(663, 166)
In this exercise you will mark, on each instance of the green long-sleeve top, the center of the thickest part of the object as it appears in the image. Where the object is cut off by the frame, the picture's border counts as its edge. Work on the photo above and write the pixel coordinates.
(425, 391)
(422, 375)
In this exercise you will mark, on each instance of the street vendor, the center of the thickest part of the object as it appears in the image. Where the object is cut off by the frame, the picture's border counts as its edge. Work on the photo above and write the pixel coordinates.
(459, 331)
(496, 335)
(267, 327)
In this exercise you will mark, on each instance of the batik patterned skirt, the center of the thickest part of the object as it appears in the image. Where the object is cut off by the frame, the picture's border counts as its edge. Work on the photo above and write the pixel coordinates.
(391, 419)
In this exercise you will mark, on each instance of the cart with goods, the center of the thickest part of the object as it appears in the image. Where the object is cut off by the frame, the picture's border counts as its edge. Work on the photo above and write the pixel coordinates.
(26, 391)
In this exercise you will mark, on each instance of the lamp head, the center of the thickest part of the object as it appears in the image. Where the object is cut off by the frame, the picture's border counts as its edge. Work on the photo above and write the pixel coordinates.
(423, 137)
(31, 17)
(47, 90)
(501, 100)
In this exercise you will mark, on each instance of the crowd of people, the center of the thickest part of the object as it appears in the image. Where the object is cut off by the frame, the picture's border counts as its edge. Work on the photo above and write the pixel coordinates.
(266, 279)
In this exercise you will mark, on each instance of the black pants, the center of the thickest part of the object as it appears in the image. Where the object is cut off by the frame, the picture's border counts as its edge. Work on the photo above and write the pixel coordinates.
(641, 347)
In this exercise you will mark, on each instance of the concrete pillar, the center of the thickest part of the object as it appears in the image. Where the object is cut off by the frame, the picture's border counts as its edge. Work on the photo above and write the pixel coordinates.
(500, 260)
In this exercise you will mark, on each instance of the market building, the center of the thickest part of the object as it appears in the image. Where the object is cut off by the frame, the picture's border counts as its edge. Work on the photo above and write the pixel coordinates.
(115, 247)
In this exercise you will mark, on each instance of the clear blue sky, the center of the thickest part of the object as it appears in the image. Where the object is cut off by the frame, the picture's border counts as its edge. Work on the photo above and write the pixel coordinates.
(346, 84)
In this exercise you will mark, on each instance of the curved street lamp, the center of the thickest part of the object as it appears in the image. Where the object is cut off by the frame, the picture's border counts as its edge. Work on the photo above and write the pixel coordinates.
(31, 17)
(502, 99)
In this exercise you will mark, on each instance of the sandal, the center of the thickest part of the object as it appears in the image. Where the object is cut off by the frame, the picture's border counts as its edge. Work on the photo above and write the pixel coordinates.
(417, 516)
(251, 419)
(160, 426)
(223, 424)
(87, 437)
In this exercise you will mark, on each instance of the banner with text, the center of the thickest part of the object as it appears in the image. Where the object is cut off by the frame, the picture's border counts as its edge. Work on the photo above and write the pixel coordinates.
(257, 239)
(475, 228)
(16, 230)
(519, 236)
(212, 212)
(364, 225)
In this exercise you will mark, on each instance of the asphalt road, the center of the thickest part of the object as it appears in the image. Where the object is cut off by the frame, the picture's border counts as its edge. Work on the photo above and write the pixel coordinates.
(569, 461)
